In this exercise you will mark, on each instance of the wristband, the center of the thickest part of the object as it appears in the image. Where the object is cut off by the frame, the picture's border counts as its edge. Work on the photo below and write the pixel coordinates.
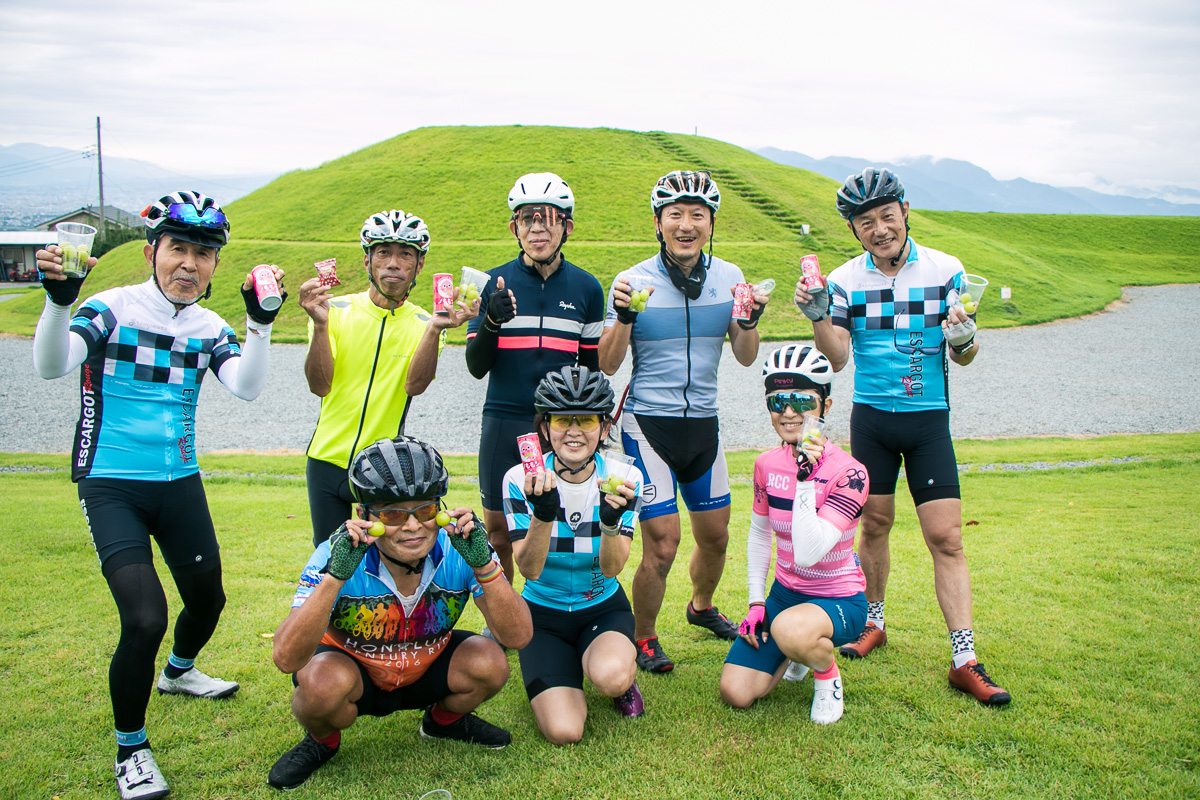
(607, 531)
(488, 325)
(491, 576)
(964, 348)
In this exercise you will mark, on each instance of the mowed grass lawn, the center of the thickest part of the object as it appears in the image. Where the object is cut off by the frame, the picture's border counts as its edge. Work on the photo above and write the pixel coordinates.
(1085, 593)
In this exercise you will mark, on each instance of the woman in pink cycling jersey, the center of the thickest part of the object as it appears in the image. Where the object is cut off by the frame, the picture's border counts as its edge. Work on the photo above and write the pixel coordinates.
(809, 493)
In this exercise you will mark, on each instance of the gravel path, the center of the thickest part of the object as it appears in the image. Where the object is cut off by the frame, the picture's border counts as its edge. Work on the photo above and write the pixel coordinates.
(1113, 372)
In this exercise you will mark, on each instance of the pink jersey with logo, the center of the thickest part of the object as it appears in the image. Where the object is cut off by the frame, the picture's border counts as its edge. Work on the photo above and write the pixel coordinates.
(841, 489)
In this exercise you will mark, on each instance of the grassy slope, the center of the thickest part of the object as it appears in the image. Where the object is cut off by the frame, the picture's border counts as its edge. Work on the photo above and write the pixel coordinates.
(457, 179)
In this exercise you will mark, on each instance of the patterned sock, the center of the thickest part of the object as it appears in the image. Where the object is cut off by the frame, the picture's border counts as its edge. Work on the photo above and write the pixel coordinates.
(962, 646)
(443, 717)
(332, 740)
(875, 614)
(176, 666)
(130, 743)
(828, 674)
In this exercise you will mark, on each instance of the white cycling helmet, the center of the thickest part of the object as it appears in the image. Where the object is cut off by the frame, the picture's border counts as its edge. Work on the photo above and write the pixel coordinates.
(394, 226)
(684, 185)
(187, 216)
(542, 188)
(798, 366)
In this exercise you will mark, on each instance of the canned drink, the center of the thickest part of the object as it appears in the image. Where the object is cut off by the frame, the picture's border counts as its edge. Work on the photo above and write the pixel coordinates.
(743, 301)
(443, 293)
(266, 287)
(810, 272)
(531, 453)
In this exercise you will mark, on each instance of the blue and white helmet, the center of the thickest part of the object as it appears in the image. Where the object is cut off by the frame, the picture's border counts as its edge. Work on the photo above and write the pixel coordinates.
(542, 188)
(871, 188)
(394, 226)
(685, 185)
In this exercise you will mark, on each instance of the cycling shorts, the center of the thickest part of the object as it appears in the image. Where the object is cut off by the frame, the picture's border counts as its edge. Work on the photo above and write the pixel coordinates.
(848, 614)
(421, 693)
(122, 516)
(674, 452)
(878, 440)
(554, 656)
(329, 500)
(497, 454)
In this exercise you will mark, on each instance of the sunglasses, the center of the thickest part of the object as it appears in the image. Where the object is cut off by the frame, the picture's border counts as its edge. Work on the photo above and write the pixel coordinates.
(586, 422)
(399, 516)
(547, 215)
(796, 401)
(210, 217)
(908, 348)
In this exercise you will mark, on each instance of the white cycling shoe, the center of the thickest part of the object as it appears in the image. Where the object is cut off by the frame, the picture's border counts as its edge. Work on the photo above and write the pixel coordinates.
(796, 672)
(139, 778)
(827, 704)
(197, 684)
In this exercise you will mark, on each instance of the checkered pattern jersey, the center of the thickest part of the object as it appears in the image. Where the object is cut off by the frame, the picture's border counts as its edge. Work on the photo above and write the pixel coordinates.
(895, 328)
(139, 384)
(571, 578)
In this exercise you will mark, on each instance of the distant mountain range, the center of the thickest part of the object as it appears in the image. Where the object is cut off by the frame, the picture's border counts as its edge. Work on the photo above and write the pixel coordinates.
(38, 183)
(945, 184)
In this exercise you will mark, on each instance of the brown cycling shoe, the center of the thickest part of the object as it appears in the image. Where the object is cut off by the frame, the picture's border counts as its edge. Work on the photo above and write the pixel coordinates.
(870, 638)
(974, 680)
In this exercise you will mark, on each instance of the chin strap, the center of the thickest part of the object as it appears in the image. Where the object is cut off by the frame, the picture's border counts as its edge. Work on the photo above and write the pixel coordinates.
(409, 569)
(565, 470)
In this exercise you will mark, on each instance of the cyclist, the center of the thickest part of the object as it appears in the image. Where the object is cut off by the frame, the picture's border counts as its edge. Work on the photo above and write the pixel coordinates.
(143, 350)
(369, 354)
(571, 540)
(671, 428)
(371, 630)
(895, 305)
(809, 493)
(561, 315)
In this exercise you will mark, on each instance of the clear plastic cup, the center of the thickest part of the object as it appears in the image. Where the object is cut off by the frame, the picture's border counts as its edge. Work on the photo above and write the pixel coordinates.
(619, 466)
(473, 277)
(972, 293)
(765, 287)
(812, 430)
(76, 240)
(638, 283)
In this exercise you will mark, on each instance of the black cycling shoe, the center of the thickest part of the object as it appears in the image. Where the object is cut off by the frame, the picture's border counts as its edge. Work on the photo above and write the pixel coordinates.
(650, 656)
(714, 620)
(296, 765)
(469, 728)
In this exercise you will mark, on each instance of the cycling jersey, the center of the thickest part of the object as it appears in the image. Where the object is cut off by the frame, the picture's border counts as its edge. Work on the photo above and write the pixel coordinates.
(558, 323)
(895, 327)
(840, 485)
(571, 578)
(394, 641)
(677, 342)
(372, 349)
(142, 364)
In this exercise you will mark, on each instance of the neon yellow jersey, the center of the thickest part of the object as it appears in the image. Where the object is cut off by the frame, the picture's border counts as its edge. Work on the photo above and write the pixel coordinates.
(372, 350)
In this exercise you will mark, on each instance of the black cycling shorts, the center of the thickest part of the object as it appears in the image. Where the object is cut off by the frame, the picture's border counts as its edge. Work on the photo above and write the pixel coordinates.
(879, 439)
(421, 693)
(123, 515)
(498, 454)
(554, 656)
(329, 500)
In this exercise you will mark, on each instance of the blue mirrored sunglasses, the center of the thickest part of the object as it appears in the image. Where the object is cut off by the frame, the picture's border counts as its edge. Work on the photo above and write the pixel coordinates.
(800, 403)
(186, 213)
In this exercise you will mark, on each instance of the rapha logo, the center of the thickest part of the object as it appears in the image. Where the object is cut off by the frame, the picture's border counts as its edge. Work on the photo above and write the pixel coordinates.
(565, 304)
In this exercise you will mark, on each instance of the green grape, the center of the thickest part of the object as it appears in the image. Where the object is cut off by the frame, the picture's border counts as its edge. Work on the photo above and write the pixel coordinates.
(965, 298)
(442, 519)
(969, 307)
(377, 529)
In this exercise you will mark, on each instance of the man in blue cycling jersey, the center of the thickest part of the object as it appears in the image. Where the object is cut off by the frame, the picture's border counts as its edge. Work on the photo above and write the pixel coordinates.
(143, 351)
(670, 427)
(896, 305)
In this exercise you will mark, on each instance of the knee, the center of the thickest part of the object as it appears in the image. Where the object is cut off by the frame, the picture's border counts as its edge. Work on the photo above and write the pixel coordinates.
(736, 695)
(322, 690)
(562, 732)
(946, 543)
(147, 626)
(612, 677)
(875, 526)
(487, 666)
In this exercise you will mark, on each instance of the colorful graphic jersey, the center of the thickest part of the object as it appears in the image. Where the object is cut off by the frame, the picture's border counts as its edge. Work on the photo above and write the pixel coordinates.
(840, 489)
(571, 578)
(677, 342)
(895, 327)
(372, 350)
(140, 382)
(369, 622)
(559, 321)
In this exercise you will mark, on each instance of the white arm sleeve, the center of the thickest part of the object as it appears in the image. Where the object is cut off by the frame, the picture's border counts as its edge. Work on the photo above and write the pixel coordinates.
(55, 351)
(812, 537)
(758, 557)
(245, 376)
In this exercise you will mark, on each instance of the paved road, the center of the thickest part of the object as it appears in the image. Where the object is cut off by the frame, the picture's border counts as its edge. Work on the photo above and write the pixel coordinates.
(1121, 371)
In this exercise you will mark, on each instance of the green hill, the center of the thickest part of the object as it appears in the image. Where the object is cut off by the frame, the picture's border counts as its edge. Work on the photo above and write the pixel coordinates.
(458, 179)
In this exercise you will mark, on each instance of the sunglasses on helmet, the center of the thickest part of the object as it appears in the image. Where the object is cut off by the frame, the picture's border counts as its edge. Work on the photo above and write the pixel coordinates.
(211, 217)
(798, 402)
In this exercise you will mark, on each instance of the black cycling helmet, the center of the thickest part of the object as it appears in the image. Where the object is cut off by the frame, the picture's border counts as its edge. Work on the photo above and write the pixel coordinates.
(873, 187)
(396, 470)
(188, 216)
(574, 389)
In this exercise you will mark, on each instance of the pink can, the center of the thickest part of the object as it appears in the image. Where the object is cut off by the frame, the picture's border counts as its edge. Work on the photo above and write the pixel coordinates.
(743, 301)
(531, 453)
(810, 272)
(266, 287)
(443, 293)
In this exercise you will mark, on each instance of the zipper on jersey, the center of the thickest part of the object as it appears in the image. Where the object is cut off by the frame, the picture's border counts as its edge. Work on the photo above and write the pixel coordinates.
(366, 398)
(687, 314)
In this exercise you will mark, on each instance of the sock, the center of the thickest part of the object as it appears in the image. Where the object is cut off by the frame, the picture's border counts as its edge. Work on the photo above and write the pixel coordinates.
(332, 740)
(130, 743)
(962, 646)
(827, 675)
(176, 666)
(443, 717)
(875, 614)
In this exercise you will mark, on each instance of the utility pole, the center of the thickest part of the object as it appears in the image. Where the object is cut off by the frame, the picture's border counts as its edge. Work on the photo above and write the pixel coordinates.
(100, 174)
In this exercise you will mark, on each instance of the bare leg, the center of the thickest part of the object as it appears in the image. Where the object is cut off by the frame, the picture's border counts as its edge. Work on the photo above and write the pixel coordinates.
(941, 525)
(660, 541)
(879, 513)
(560, 713)
(327, 688)
(805, 634)
(610, 663)
(711, 532)
(742, 686)
(478, 670)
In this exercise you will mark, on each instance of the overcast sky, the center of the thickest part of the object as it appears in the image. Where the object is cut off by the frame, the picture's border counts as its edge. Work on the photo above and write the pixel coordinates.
(1078, 92)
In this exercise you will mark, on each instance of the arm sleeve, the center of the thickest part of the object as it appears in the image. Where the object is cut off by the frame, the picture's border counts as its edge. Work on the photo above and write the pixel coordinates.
(758, 557)
(593, 326)
(848, 491)
(55, 351)
(245, 374)
(481, 347)
(812, 537)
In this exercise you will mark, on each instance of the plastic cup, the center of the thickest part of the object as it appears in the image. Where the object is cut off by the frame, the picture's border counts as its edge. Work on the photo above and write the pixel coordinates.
(75, 239)
(638, 283)
(473, 277)
(616, 465)
(765, 287)
(812, 429)
(972, 293)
